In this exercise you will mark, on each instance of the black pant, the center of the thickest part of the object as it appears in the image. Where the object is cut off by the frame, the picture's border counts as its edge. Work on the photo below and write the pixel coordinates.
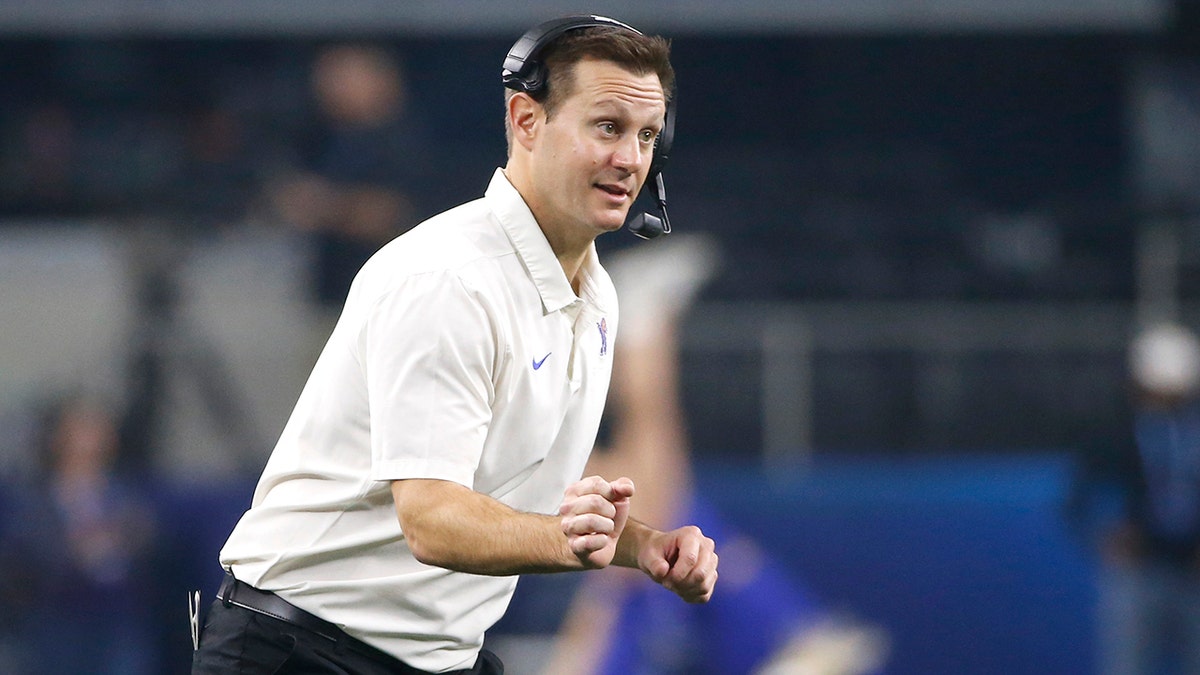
(240, 641)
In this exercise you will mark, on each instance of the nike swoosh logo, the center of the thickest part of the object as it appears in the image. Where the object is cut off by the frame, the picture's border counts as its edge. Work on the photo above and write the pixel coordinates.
(538, 364)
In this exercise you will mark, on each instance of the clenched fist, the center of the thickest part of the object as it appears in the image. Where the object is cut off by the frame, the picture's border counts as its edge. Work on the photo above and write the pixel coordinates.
(683, 561)
(594, 512)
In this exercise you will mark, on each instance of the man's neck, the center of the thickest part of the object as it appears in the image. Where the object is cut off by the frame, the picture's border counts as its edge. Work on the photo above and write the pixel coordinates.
(570, 247)
(572, 266)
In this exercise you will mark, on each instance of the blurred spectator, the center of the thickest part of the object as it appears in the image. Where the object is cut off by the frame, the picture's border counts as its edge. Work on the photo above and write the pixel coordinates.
(49, 141)
(213, 183)
(39, 160)
(354, 188)
(761, 620)
(75, 554)
(1144, 502)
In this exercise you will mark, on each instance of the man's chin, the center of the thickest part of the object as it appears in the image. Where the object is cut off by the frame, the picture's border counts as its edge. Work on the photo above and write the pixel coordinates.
(612, 226)
(610, 221)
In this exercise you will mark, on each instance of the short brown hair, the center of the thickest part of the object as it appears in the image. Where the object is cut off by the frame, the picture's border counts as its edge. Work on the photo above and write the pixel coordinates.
(637, 53)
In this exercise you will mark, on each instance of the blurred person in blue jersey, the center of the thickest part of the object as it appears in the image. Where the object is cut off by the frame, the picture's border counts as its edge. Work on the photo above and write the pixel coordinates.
(77, 553)
(763, 620)
(1143, 502)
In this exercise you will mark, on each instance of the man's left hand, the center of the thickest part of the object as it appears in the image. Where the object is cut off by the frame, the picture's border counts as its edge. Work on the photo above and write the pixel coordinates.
(683, 561)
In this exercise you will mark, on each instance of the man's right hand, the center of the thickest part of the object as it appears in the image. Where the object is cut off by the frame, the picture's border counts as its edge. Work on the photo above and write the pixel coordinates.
(594, 514)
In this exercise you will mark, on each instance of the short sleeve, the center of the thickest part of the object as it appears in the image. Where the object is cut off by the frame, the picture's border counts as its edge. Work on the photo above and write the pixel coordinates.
(429, 350)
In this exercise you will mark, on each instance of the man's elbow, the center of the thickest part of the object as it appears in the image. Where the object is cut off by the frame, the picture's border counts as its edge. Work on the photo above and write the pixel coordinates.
(431, 538)
(416, 509)
(420, 536)
(425, 553)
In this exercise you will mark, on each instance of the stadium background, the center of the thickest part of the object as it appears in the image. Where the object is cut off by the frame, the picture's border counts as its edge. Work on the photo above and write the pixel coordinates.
(941, 224)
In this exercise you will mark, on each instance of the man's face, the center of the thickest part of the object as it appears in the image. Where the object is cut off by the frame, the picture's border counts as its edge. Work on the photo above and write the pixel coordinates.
(593, 156)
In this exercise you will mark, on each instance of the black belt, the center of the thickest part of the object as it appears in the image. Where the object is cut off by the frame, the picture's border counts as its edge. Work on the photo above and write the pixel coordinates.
(241, 594)
(237, 593)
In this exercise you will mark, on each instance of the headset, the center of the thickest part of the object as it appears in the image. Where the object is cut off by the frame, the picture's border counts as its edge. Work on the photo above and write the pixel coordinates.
(523, 71)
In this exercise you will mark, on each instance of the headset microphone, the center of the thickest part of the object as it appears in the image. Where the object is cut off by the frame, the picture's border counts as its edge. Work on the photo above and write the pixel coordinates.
(523, 71)
(648, 226)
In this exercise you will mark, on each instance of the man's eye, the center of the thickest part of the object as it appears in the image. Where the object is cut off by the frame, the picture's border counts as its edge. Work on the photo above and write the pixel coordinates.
(648, 136)
(608, 128)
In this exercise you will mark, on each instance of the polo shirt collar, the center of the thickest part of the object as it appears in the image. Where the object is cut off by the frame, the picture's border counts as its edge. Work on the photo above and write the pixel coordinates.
(531, 245)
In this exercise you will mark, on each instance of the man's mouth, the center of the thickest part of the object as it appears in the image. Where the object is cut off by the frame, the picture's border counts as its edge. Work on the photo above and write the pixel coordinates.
(615, 190)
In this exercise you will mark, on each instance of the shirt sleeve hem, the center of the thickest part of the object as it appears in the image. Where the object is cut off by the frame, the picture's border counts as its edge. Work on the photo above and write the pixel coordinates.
(405, 469)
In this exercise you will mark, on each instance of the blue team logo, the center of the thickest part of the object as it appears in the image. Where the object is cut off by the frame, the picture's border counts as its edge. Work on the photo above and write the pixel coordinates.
(603, 326)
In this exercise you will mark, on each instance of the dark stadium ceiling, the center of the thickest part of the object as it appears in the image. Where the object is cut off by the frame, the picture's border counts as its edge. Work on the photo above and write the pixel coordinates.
(495, 18)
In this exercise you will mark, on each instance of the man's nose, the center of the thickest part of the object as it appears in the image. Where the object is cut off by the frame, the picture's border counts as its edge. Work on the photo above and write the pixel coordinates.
(629, 154)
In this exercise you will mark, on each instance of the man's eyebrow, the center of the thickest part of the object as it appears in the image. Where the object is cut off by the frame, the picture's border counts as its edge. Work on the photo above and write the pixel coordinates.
(610, 102)
(613, 106)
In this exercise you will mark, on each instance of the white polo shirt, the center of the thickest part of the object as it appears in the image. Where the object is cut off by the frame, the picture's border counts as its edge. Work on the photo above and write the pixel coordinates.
(462, 354)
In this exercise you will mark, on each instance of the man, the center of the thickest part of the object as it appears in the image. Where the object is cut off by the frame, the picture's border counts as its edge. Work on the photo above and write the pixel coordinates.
(1142, 500)
(356, 175)
(455, 405)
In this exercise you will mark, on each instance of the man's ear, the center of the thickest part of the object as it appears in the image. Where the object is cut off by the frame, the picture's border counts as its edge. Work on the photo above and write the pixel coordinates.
(524, 115)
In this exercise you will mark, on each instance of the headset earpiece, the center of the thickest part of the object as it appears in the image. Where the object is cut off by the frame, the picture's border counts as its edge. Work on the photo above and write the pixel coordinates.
(645, 225)
(662, 145)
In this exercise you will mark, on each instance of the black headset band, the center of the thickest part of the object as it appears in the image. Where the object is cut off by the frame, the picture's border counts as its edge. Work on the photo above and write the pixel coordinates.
(524, 54)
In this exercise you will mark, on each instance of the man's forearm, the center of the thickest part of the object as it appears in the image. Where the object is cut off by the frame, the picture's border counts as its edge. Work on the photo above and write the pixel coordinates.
(448, 525)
